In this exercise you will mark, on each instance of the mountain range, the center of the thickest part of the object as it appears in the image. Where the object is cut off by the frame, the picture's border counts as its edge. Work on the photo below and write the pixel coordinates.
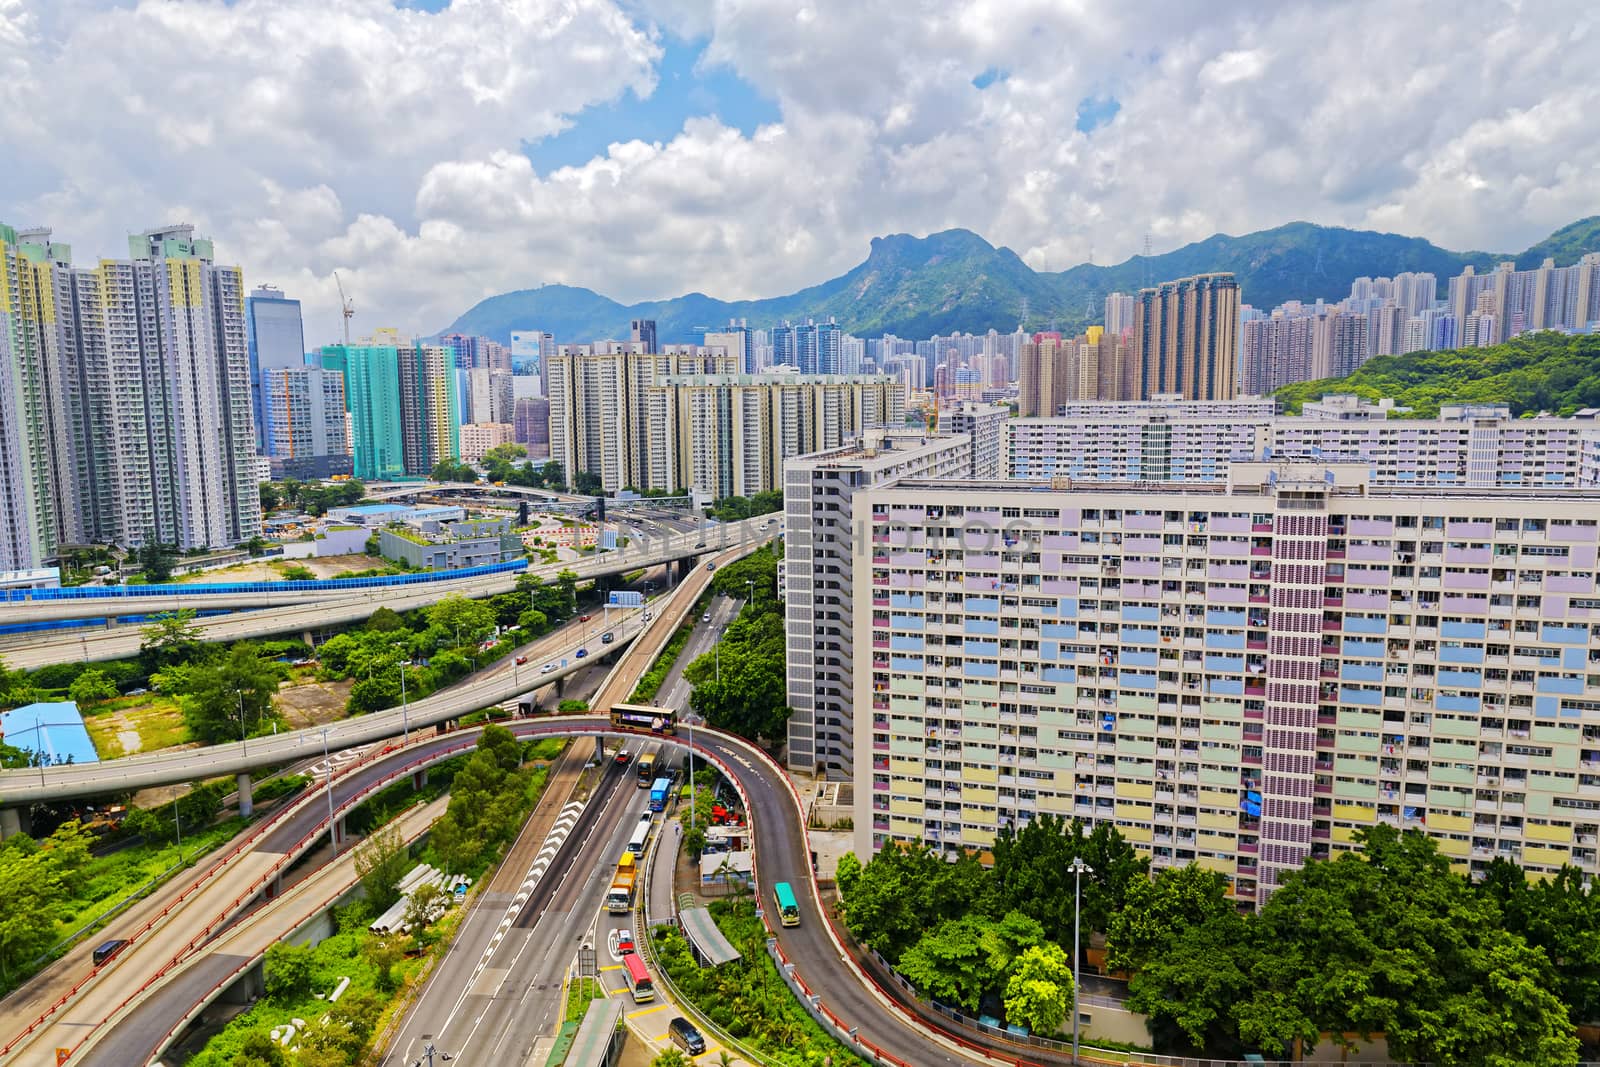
(954, 280)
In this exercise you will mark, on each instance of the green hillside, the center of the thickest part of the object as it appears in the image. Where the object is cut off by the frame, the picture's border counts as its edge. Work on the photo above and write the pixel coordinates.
(1539, 372)
(955, 280)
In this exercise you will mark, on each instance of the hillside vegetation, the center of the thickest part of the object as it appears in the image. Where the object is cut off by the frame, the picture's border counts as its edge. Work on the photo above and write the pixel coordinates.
(955, 280)
(1539, 372)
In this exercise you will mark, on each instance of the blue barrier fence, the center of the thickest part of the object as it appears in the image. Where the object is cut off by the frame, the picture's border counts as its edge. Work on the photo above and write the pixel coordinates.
(199, 589)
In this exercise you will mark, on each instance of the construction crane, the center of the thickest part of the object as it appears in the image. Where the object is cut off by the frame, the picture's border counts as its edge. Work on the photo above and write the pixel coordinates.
(347, 307)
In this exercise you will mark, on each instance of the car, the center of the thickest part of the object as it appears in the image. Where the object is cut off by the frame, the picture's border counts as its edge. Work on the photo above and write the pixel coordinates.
(700, 544)
(136, 692)
(606, 638)
(683, 1033)
(521, 660)
(624, 942)
(648, 616)
(548, 668)
(582, 652)
(623, 756)
(711, 565)
(107, 950)
(583, 618)
(705, 617)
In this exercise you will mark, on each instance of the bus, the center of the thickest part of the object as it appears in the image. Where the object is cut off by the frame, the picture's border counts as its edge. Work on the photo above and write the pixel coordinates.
(659, 791)
(645, 768)
(641, 837)
(788, 910)
(644, 717)
(638, 976)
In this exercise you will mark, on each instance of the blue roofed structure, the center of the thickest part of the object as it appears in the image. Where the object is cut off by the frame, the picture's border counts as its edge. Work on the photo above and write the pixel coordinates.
(55, 731)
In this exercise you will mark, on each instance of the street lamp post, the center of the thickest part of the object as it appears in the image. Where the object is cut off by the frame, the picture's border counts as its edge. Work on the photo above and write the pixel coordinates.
(405, 714)
(177, 825)
(1079, 869)
(327, 766)
(242, 743)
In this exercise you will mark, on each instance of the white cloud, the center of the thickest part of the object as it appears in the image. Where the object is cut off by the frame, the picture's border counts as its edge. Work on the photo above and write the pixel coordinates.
(313, 135)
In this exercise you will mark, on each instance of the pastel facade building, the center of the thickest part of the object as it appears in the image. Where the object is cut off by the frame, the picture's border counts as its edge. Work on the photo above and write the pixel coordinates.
(1240, 674)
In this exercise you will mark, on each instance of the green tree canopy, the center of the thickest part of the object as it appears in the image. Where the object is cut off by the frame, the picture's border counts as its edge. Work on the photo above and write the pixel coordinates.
(1039, 989)
(93, 686)
(231, 698)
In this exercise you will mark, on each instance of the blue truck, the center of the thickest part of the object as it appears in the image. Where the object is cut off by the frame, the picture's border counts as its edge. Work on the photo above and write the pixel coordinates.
(658, 793)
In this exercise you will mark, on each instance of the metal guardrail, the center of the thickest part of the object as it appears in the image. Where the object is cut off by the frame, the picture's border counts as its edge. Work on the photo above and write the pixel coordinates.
(204, 589)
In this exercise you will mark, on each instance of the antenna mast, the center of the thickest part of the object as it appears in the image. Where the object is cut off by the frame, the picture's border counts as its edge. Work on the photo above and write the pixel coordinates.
(347, 308)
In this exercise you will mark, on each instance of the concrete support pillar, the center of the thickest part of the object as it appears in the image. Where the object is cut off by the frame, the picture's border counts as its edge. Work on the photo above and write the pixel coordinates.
(339, 833)
(419, 779)
(309, 638)
(561, 687)
(599, 749)
(246, 798)
(11, 822)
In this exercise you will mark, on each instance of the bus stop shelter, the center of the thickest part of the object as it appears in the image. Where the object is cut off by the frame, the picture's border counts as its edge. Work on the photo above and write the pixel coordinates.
(707, 941)
(599, 1040)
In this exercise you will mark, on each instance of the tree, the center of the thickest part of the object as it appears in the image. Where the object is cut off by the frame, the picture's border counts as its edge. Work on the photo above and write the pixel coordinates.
(470, 621)
(93, 686)
(36, 878)
(271, 497)
(232, 698)
(499, 462)
(447, 470)
(259, 1050)
(1158, 911)
(741, 687)
(170, 638)
(383, 954)
(670, 1057)
(426, 903)
(156, 559)
(847, 874)
(949, 964)
(256, 546)
(288, 970)
(551, 475)
(385, 620)
(1039, 991)
(381, 861)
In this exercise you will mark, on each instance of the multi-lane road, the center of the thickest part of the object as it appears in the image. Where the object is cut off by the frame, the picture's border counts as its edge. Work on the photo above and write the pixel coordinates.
(292, 611)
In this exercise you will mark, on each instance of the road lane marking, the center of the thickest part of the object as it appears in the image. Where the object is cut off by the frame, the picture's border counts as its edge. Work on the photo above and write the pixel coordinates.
(647, 1011)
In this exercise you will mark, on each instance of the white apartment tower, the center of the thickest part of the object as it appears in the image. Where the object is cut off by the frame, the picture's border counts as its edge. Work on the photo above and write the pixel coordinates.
(818, 582)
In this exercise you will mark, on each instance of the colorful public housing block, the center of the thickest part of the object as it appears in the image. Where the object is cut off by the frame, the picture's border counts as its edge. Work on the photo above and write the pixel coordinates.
(1242, 673)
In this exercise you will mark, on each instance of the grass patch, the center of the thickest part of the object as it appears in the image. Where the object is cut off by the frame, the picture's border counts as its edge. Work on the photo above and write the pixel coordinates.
(747, 998)
(157, 719)
(579, 993)
(106, 881)
(656, 676)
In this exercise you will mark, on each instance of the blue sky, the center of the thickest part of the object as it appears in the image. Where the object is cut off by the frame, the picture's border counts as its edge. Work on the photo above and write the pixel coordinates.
(683, 91)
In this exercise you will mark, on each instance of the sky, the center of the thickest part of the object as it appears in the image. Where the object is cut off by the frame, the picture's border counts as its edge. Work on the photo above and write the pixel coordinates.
(435, 152)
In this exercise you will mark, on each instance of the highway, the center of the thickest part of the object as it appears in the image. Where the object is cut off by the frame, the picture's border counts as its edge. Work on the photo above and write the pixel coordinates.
(283, 611)
(782, 852)
(490, 1002)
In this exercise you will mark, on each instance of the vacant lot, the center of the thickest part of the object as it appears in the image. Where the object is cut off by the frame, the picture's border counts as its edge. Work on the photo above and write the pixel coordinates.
(127, 725)
(262, 570)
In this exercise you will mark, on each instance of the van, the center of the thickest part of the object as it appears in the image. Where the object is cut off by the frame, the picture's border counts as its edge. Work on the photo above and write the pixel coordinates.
(107, 950)
(685, 1036)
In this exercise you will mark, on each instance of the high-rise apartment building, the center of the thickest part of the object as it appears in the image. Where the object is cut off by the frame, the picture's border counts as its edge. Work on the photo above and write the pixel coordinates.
(644, 333)
(531, 352)
(304, 422)
(276, 338)
(729, 435)
(1240, 675)
(532, 426)
(477, 438)
(598, 396)
(984, 426)
(485, 395)
(126, 396)
(430, 407)
(1185, 338)
(1119, 313)
(739, 341)
(371, 380)
(818, 582)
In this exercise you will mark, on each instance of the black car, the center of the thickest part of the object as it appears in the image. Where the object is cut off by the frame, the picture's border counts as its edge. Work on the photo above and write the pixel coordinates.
(685, 1036)
(107, 950)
